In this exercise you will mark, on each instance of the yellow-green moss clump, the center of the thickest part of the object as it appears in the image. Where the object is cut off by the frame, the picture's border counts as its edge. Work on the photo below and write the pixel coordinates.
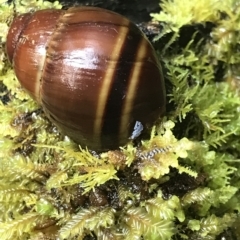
(181, 183)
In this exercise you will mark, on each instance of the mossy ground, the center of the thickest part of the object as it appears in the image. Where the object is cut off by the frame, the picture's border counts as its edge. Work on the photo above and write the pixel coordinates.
(180, 183)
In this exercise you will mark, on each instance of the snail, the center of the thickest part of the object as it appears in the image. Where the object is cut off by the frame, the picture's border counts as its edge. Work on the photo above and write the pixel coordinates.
(95, 74)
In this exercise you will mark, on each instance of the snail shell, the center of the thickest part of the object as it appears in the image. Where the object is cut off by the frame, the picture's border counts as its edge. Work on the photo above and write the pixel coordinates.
(93, 71)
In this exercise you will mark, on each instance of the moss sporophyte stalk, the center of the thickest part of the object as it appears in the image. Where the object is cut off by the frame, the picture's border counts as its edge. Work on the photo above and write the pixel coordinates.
(181, 182)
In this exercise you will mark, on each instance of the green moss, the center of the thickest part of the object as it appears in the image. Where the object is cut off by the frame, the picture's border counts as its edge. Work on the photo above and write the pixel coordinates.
(181, 183)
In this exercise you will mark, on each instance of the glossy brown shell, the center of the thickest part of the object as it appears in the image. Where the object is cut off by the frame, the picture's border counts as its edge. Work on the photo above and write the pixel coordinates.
(92, 70)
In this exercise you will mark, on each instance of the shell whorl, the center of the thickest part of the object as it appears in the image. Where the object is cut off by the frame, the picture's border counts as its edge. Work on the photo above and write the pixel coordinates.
(93, 71)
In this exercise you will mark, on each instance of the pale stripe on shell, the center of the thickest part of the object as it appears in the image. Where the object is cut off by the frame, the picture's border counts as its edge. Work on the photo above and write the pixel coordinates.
(131, 88)
(108, 78)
